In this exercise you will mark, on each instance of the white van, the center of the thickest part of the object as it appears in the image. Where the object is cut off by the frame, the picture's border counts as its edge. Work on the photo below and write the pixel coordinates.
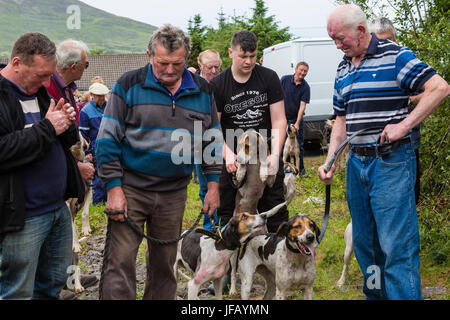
(323, 58)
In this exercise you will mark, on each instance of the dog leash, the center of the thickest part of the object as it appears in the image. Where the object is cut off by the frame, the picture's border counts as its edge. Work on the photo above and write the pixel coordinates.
(154, 240)
(330, 163)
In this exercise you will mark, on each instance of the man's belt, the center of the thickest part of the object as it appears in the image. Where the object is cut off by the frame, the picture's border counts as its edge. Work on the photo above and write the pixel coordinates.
(380, 150)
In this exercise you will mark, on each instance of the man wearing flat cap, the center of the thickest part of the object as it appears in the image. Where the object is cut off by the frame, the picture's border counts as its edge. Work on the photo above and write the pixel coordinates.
(89, 123)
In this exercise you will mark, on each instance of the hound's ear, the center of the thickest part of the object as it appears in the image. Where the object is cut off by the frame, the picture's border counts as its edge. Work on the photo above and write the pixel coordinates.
(233, 224)
(283, 229)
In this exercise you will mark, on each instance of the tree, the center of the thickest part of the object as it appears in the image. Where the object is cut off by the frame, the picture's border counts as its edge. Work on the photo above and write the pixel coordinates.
(197, 34)
(265, 28)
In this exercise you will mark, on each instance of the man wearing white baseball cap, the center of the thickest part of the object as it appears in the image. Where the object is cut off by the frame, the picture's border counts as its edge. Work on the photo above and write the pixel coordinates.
(89, 123)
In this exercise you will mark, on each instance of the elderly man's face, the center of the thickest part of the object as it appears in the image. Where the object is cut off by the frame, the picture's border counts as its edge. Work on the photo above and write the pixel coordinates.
(210, 67)
(346, 38)
(78, 69)
(35, 75)
(168, 67)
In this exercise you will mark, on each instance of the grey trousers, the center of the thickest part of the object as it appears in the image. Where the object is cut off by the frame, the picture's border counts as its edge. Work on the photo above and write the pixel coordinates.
(162, 212)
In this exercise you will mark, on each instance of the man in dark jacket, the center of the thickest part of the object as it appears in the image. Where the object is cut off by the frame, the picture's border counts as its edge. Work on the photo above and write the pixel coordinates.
(35, 169)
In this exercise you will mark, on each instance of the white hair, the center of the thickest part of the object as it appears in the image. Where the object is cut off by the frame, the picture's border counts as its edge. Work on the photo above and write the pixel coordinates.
(350, 15)
(69, 52)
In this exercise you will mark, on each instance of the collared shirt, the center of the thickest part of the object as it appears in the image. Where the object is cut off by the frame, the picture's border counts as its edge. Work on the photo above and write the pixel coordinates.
(376, 93)
(293, 95)
(59, 89)
(187, 82)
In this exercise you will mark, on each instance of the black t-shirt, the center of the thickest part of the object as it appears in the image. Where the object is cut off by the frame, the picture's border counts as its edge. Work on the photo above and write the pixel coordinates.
(246, 105)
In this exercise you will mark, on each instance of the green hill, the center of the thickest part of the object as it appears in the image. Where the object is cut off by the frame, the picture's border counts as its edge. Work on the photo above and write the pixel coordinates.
(98, 29)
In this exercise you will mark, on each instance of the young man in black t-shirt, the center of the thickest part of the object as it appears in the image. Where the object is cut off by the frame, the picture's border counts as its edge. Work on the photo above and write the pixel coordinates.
(250, 96)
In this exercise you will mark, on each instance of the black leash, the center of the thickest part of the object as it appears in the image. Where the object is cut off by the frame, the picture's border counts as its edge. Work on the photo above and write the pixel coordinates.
(154, 240)
(330, 163)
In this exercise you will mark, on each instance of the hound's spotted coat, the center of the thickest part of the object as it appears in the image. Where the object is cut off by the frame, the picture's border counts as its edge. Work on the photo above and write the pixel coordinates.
(285, 259)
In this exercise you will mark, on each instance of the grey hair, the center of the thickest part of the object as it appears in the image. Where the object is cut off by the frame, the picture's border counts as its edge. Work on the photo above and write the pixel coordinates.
(381, 25)
(69, 52)
(171, 38)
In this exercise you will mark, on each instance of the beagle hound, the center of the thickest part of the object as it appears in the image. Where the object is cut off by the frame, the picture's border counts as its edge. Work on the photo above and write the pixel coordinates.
(207, 256)
(289, 182)
(252, 174)
(78, 152)
(291, 147)
(285, 259)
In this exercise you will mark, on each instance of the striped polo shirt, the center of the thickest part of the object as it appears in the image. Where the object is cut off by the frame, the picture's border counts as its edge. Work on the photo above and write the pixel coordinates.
(376, 93)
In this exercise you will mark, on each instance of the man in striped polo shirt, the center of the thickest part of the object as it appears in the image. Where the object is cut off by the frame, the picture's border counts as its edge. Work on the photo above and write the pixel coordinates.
(372, 86)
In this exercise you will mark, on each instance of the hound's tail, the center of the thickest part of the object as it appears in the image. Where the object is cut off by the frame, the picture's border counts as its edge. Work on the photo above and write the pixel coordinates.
(274, 210)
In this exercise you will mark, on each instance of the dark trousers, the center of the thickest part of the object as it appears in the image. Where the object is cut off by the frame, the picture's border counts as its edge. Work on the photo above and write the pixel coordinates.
(270, 198)
(162, 212)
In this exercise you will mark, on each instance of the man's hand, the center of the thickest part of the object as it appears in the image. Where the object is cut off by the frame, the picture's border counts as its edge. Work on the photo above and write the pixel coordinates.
(326, 177)
(211, 202)
(273, 167)
(230, 159)
(116, 202)
(61, 115)
(87, 171)
(393, 132)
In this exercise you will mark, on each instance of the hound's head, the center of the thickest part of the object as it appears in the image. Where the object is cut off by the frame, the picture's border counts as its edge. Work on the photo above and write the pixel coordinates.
(251, 144)
(300, 232)
(291, 131)
(290, 168)
(78, 149)
(329, 124)
(244, 224)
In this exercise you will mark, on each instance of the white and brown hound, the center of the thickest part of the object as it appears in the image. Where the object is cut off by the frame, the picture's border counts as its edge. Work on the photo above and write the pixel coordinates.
(252, 173)
(78, 151)
(289, 182)
(291, 148)
(207, 256)
(285, 259)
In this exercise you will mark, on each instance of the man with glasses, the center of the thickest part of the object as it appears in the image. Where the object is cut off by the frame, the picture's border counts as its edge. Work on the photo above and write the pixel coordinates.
(71, 61)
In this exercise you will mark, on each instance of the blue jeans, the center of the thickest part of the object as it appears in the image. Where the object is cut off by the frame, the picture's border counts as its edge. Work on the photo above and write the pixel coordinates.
(380, 196)
(203, 183)
(34, 261)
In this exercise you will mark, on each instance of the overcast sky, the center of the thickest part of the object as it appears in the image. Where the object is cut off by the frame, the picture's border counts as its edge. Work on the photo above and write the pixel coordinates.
(306, 18)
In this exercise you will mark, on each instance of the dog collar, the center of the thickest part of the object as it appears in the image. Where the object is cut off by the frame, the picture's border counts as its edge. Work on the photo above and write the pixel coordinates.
(291, 248)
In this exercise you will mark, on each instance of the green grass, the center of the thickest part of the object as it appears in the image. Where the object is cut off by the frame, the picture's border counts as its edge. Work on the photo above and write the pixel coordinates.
(329, 261)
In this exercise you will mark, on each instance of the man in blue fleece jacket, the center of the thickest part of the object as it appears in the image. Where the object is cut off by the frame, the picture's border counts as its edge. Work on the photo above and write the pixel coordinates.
(139, 166)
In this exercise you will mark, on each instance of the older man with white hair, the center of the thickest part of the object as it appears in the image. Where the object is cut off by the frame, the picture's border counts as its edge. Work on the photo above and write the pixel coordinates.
(71, 61)
(372, 89)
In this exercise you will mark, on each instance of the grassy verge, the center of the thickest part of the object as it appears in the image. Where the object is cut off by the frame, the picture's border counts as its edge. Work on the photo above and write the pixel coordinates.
(329, 261)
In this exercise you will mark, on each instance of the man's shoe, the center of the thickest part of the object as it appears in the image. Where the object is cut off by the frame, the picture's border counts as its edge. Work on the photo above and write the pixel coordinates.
(67, 295)
(88, 281)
